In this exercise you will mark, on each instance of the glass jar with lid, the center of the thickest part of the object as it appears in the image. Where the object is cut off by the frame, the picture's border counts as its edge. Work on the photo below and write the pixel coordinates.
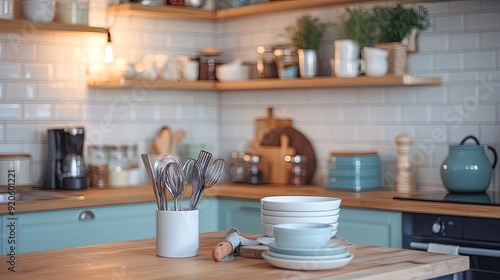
(286, 61)
(134, 173)
(119, 166)
(237, 167)
(209, 59)
(266, 66)
(97, 161)
(253, 174)
(295, 169)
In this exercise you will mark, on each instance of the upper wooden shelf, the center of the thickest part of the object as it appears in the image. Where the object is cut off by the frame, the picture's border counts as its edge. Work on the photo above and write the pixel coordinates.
(257, 84)
(179, 12)
(17, 25)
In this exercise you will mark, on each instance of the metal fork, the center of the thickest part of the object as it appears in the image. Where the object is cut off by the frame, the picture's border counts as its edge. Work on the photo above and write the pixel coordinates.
(203, 160)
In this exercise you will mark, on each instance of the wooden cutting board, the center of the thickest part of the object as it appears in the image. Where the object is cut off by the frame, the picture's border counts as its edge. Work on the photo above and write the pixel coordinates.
(274, 156)
(298, 141)
(263, 125)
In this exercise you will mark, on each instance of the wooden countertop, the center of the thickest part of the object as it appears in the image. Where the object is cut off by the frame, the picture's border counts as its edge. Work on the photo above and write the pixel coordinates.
(380, 199)
(137, 260)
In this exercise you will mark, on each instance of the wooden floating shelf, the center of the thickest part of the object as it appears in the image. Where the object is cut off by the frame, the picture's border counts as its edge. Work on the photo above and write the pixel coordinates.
(259, 84)
(17, 25)
(179, 12)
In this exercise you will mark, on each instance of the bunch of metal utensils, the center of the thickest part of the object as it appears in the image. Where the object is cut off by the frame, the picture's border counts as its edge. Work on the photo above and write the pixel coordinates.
(169, 175)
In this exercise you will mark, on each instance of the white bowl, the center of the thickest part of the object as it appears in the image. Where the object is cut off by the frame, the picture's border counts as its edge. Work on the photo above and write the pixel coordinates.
(268, 229)
(300, 203)
(39, 10)
(227, 73)
(292, 220)
(299, 214)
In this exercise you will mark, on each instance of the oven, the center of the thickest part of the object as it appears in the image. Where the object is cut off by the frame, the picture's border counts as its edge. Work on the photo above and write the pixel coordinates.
(478, 238)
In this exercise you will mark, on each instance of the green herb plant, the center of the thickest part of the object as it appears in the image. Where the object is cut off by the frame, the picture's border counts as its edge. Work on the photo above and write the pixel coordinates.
(395, 22)
(359, 25)
(306, 32)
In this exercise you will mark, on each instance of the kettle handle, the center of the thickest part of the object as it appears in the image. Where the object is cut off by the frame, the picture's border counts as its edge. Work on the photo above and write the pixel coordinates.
(470, 137)
(488, 146)
(495, 154)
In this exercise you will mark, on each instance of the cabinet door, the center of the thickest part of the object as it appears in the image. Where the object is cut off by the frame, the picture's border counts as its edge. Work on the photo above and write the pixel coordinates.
(241, 214)
(84, 226)
(371, 227)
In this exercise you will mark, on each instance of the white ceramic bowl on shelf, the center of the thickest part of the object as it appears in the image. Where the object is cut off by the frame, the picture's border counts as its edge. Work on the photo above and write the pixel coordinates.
(234, 71)
(300, 203)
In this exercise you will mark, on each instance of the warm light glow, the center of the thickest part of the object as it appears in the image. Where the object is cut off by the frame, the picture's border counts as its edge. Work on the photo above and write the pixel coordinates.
(108, 53)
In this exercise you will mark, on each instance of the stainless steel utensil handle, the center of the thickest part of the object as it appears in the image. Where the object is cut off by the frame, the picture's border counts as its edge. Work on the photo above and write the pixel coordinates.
(461, 250)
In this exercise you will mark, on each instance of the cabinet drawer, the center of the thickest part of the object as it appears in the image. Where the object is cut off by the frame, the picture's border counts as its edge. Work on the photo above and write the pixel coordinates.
(84, 226)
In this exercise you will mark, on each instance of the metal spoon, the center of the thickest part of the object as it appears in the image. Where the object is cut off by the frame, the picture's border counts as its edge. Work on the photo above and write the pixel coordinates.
(149, 169)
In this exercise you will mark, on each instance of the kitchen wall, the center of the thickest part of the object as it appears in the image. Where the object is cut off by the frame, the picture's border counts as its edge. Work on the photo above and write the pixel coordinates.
(43, 84)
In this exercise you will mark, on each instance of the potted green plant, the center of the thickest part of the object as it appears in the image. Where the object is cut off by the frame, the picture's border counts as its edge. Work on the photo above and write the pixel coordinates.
(395, 24)
(306, 35)
(359, 25)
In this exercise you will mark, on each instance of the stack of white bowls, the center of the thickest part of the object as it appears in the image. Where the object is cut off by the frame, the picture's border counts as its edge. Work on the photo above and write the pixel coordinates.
(39, 10)
(299, 209)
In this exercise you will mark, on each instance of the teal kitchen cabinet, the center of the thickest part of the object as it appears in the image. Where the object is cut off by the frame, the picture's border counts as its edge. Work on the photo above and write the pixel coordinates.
(371, 227)
(45, 230)
(241, 214)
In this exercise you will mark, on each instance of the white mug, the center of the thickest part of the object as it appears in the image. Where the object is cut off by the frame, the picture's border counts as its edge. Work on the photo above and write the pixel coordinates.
(188, 70)
(177, 233)
(375, 62)
(345, 68)
(346, 50)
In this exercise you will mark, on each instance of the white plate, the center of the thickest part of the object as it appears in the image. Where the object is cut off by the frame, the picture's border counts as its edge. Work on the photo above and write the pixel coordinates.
(300, 203)
(300, 214)
(335, 247)
(306, 264)
(268, 229)
(294, 220)
(307, 258)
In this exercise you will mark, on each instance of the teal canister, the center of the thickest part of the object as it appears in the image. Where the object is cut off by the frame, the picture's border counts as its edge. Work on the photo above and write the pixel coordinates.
(467, 169)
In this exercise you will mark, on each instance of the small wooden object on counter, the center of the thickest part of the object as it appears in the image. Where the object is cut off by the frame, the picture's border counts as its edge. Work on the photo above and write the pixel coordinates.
(253, 252)
(221, 250)
(404, 178)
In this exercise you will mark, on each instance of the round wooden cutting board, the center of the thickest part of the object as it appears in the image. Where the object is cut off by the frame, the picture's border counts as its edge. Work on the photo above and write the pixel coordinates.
(298, 141)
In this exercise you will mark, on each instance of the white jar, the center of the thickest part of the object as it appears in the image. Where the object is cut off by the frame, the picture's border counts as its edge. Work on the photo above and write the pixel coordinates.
(15, 170)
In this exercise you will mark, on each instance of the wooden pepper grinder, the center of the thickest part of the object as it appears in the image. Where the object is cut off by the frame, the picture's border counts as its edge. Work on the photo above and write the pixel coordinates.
(404, 179)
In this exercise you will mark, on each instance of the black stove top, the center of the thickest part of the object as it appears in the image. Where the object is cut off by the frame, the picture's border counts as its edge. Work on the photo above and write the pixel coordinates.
(486, 198)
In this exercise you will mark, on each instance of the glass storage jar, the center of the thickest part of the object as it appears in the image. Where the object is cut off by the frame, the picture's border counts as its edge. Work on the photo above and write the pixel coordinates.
(287, 62)
(295, 169)
(134, 172)
(266, 66)
(253, 174)
(97, 160)
(119, 166)
(209, 59)
(237, 167)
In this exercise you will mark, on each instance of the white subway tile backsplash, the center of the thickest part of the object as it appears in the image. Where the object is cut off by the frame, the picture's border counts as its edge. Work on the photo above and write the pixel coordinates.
(462, 77)
(21, 132)
(2, 91)
(10, 70)
(69, 72)
(464, 6)
(482, 21)
(51, 52)
(490, 39)
(38, 72)
(37, 111)
(419, 62)
(448, 61)
(21, 51)
(414, 114)
(356, 114)
(489, 133)
(488, 5)
(68, 112)
(21, 91)
(461, 93)
(180, 41)
(2, 133)
(431, 94)
(386, 114)
(448, 23)
(343, 132)
(480, 60)
(464, 41)
(458, 133)
(371, 133)
(2, 50)
(10, 111)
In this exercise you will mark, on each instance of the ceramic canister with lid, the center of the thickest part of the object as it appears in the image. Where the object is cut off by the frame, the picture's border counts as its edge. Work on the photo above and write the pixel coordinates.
(354, 170)
(15, 169)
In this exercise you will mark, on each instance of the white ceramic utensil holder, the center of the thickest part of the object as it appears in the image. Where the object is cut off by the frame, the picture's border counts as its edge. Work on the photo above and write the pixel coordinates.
(177, 233)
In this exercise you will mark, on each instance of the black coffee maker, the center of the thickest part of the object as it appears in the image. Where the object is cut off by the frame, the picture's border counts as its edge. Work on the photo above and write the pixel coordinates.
(65, 167)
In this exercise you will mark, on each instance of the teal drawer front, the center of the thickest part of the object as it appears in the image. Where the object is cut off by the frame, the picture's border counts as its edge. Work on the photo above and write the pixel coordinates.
(242, 214)
(76, 227)
(371, 227)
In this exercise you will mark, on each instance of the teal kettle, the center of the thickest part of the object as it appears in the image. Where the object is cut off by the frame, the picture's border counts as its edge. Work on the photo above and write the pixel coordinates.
(467, 169)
